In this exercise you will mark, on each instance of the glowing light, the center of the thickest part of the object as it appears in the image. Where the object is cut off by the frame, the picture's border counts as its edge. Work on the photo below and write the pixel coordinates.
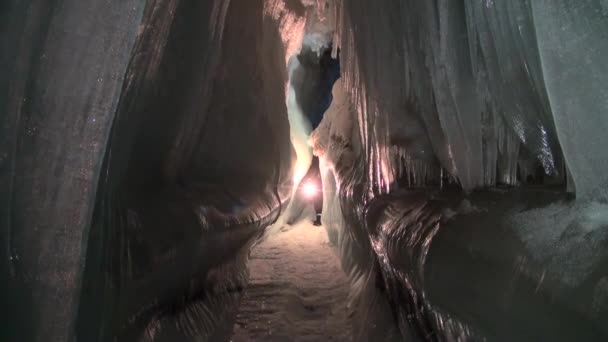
(309, 189)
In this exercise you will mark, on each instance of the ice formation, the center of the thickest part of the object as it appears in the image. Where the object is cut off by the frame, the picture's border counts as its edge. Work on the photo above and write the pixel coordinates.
(465, 91)
(155, 147)
(146, 146)
(443, 75)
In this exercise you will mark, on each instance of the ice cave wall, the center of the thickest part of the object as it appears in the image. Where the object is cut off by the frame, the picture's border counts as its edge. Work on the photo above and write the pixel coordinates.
(468, 89)
(573, 42)
(474, 86)
(63, 67)
(216, 156)
(142, 156)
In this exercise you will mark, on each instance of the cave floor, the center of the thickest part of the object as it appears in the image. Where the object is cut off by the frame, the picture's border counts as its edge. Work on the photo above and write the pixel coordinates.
(297, 290)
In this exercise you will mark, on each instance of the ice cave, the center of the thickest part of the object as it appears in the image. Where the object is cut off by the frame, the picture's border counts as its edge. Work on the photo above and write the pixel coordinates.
(152, 156)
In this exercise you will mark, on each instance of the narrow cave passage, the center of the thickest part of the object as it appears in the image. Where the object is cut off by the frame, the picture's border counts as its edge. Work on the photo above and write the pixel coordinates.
(297, 290)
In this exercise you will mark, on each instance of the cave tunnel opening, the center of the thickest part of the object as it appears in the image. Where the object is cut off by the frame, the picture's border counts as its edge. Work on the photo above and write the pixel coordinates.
(295, 259)
(314, 81)
(312, 77)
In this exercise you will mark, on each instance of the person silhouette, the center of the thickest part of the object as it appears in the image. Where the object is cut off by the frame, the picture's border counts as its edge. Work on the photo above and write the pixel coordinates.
(312, 187)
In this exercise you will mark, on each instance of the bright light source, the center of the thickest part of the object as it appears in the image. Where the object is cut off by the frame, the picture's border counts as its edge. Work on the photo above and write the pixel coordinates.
(309, 189)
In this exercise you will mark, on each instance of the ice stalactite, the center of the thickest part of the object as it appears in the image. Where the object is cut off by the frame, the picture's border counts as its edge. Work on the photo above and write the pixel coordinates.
(445, 71)
(290, 15)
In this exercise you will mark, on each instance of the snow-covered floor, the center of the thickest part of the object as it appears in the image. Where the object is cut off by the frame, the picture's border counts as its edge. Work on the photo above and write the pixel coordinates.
(297, 290)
